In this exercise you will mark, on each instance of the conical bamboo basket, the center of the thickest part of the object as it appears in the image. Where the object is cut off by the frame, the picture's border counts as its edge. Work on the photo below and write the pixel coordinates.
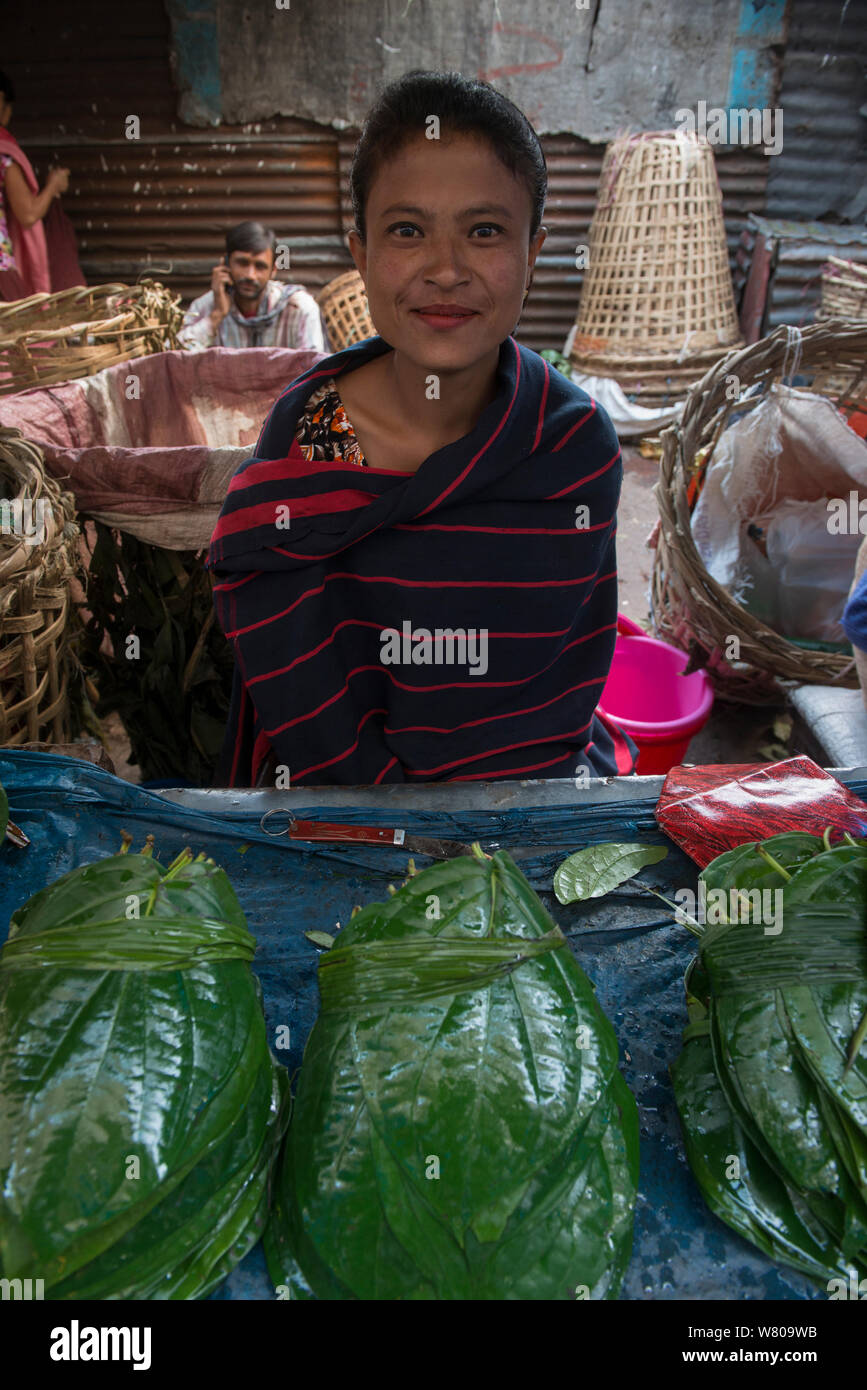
(657, 306)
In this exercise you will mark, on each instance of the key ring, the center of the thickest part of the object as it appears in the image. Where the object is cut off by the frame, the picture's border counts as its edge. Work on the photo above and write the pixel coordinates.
(277, 811)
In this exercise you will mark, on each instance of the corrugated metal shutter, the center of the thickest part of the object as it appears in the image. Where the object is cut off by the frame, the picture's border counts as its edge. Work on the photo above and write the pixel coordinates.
(162, 205)
(822, 169)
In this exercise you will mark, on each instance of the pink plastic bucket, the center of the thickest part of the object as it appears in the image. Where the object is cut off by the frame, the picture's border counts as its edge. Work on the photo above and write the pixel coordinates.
(647, 697)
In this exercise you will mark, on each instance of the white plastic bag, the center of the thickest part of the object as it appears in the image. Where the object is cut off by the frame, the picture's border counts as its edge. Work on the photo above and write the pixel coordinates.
(814, 570)
(793, 447)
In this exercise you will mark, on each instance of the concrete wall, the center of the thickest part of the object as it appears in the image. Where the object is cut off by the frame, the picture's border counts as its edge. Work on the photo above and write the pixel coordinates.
(594, 68)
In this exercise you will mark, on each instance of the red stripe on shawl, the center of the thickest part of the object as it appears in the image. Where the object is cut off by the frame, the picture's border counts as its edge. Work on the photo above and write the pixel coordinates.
(488, 442)
(419, 584)
(227, 584)
(418, 772)
(541, 419)
(577, 426)
(506, 530)
(263, 513)
(495, 752)
(622, 756)
(338, 757)
(380, 775)
(587, 479)
(491, 718)
(277, 470)
(502, 773)
(261, 749)
(363, 622)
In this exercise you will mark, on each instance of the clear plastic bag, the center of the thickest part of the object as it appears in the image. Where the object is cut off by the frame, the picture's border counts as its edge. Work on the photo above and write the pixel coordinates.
(784, 458)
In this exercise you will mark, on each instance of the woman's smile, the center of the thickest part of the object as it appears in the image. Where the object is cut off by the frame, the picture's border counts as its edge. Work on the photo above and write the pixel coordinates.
(445, 316)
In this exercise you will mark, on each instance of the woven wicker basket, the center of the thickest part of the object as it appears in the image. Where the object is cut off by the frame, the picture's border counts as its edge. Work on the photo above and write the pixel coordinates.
(844, 295)
(657, 305)
(57, 337)
(844, 290)
(689, 608)
(345, 311)
(34, 596)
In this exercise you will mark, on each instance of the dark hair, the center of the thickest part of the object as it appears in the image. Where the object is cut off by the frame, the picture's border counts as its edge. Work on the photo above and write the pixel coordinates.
(6, 87)
(251, 236)
(463, 104)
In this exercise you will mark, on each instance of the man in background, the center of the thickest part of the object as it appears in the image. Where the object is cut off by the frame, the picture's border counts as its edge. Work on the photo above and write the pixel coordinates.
(245, 307)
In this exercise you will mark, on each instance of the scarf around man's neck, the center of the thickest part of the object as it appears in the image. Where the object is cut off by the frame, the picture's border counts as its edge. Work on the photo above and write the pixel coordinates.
(456, 623)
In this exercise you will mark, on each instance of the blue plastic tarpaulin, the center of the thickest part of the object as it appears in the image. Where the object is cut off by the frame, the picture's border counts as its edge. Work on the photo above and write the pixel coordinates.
(631, 949)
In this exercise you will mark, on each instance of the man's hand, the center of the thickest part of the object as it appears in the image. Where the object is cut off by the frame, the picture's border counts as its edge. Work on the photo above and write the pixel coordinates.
(221, 285)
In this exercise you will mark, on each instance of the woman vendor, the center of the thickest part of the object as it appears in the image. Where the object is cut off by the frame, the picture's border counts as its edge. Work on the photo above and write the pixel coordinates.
(417, 567)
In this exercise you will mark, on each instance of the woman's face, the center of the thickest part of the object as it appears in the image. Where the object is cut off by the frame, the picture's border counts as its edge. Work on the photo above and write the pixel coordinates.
(448, 228)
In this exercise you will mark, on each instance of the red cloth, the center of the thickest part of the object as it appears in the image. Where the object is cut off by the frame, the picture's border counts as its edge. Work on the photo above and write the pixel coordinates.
(28, 243)
(707, 810)
(62, 249)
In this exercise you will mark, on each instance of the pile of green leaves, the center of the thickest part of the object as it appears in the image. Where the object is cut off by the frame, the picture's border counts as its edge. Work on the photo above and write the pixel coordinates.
(460, 1130)
(772, 1082)
(140, 1107)
(173, 698)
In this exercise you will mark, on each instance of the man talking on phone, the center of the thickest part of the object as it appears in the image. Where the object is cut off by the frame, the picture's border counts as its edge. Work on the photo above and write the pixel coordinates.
(245, 307)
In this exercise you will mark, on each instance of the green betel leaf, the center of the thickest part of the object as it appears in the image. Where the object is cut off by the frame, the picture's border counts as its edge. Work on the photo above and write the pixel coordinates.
(744, 868)
(771, 1072)
(461, 1130)
(140, 1107)
(320, 938)
(593, 872)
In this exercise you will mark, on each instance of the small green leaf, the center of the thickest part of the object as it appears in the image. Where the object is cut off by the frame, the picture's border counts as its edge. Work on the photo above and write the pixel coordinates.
(320, 938)
(782, 728)
(593, 872)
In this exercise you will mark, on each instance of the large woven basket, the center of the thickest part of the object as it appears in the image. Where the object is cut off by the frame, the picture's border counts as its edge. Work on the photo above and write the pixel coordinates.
(58, 337)
(34, 596)
(657, 304)
(689, 608)
(345, 311)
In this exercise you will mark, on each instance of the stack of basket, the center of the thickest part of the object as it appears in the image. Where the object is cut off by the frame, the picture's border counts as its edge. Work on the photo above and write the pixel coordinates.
(59, 337)
(844, 296)
(657, 305)
(38, 539)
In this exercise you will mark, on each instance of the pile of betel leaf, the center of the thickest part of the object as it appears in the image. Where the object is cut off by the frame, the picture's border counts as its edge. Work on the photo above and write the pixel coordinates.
(140, 1107)
(772, 1081)
(460, 1129)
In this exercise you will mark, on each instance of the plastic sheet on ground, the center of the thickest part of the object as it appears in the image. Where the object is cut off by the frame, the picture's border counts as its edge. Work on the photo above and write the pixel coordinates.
(633, 952)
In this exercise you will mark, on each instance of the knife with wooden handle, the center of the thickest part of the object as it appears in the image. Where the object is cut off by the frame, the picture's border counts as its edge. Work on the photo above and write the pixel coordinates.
(328, 832)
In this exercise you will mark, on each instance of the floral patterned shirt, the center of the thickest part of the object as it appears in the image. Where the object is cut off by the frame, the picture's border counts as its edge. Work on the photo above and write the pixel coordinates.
(7, 260)
(323, 431)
